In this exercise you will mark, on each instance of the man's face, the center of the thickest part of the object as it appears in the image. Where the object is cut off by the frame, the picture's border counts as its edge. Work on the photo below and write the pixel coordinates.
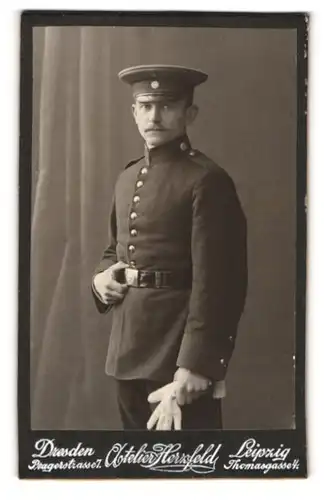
(161, 121)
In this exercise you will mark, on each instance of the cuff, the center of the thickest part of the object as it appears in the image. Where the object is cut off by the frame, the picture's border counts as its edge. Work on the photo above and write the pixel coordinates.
(95, 291)
(102, 306)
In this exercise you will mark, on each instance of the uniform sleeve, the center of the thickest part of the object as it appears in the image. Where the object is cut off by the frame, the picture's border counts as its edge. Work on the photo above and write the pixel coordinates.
(108, 259)
(219, 283)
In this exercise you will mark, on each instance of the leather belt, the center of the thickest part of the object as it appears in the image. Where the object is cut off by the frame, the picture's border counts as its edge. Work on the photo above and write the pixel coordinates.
(157, 279)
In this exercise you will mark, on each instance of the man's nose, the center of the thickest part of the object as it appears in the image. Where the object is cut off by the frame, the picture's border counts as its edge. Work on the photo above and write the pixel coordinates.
(155, 114)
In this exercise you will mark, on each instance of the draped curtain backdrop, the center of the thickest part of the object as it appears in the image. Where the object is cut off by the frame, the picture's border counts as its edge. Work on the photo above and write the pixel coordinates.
(83, 135)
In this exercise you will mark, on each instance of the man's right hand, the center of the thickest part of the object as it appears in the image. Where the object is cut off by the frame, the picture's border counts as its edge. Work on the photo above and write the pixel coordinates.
(107, 286)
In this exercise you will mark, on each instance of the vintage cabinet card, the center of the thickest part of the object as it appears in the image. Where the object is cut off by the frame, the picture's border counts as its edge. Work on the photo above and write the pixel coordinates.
(162, 245)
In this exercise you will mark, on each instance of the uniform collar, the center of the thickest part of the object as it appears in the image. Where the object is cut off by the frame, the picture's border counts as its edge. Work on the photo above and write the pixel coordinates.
(173, 149)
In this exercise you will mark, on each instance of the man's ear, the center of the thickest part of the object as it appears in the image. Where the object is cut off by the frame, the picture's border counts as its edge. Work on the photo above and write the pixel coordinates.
(191, 114)
(133, 110)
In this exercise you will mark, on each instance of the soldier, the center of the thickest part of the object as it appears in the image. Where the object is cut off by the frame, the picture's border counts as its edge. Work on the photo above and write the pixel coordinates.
(174, 273)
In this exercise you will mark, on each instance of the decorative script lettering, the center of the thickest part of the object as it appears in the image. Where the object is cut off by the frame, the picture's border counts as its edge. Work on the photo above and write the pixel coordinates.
(48, 457)
(165, 457)
(252, 456)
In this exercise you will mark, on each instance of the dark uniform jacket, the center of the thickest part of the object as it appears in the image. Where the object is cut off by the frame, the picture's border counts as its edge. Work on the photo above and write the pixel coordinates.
(174, 209)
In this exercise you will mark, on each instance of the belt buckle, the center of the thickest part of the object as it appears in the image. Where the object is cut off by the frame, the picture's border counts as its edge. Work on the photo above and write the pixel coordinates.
(131, 276)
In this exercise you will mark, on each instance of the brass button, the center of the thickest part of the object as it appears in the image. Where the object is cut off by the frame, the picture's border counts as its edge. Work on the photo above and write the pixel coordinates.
(132, 248)
(222, 361)
(132, 263)
(133, 215)
(136, 199)
(139, 184)
(133, 232)
(192, 152)
(183, 146)
(144, 170)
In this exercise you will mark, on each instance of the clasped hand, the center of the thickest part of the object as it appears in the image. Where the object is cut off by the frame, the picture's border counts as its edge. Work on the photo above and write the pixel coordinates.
(107, 284)
(185, 387)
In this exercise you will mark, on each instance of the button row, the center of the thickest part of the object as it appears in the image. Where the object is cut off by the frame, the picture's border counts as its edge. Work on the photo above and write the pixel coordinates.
(134, 215)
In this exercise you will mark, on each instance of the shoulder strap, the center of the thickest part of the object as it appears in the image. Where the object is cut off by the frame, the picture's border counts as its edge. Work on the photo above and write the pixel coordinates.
(206, 162)
(203, 160)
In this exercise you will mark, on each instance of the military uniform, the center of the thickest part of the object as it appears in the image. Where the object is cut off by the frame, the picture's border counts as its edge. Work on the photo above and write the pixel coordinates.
(177, 221)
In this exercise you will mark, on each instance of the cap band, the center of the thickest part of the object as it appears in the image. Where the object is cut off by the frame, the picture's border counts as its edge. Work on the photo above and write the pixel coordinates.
(169, 88)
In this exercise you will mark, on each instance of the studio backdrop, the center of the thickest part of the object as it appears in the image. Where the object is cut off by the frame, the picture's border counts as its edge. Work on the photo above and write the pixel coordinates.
(84, 135)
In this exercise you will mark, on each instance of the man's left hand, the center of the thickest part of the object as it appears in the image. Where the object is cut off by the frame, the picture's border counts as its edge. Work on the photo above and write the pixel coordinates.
(189, 385)
(186, 387)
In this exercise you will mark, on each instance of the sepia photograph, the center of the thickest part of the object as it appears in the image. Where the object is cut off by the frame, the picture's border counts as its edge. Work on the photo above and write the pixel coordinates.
(165, 208)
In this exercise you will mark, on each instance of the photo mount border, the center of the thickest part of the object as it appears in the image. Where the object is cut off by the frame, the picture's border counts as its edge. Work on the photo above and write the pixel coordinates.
(295, 438)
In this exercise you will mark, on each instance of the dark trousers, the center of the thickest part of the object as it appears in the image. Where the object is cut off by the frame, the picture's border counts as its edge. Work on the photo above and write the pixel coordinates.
(203, 413)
